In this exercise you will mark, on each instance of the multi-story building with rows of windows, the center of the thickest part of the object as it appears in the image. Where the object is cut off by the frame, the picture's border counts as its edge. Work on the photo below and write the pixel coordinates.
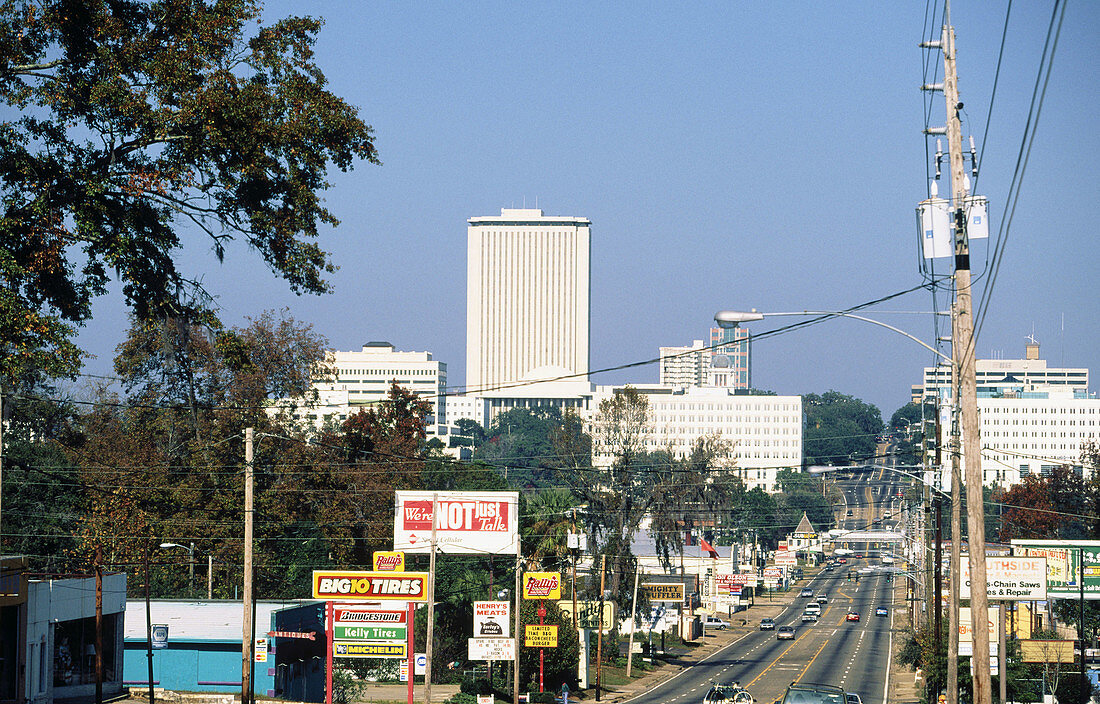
(764, 432)
(358, 380)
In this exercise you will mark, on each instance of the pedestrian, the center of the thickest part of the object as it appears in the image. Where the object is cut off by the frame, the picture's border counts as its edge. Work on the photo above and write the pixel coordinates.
(564, 693)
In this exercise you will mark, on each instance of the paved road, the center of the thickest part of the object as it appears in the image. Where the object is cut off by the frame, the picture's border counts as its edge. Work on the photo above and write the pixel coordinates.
(852, 655)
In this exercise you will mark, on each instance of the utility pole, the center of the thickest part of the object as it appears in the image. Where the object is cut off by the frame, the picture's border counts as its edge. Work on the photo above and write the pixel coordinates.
(431, 606)
(98, 624)
(148, 627)
(963, 354)
(246, 641)
(599, 627)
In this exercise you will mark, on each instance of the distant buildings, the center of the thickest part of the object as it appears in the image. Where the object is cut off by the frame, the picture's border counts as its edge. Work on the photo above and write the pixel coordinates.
(724, 363)
(527, 299)
(361, 379)
(1033, 418)
(764, 432)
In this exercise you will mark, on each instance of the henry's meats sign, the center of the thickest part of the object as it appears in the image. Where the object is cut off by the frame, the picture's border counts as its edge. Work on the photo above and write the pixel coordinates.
(347, 585)
(465, 521)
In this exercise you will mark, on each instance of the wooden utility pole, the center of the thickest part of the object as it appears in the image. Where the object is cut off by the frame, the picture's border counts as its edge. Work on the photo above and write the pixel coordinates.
(599, 627)
(246, 641)
(431, 606)
(148, 626)
(633, 623)
(98, 624)
(937, 585)
(963, 353)
(956, 564)
(517, 632)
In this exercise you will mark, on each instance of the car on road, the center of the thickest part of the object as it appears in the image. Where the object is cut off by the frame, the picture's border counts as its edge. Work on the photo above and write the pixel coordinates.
(784, 633)
(809, 617)
(821, 598)
(852, 616)
(881, 611)
(806, 592)
(715, 622)
(732, 693)
(813, 608)
(858, 556)
(849, 513)
(807, 693)
(842, 560)
(853, 698)
(767, 624)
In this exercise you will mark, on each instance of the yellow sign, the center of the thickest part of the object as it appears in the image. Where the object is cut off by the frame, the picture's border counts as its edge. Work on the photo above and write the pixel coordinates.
(1047, 651)
(389, 561)
(664, 591)
(540, 636)
(348, 585)
(542, 585)
(381, 649)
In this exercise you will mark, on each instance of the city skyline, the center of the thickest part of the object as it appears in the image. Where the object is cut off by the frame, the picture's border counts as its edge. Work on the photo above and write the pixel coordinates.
(717, 168)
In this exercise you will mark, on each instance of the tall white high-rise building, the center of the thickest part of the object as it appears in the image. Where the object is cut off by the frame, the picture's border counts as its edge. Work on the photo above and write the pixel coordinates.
(684, 366)
(527, 298)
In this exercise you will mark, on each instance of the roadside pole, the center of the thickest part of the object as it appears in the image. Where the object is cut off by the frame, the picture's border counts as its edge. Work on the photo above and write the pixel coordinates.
(633, 621)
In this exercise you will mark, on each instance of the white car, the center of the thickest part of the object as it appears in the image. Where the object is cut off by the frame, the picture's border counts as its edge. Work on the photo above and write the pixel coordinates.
(715, 622)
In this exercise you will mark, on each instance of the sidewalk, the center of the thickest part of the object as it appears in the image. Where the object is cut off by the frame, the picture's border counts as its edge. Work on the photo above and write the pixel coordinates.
(905, 688)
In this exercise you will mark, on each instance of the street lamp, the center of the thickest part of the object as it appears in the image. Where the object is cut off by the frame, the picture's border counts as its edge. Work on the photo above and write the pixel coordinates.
(191, 568)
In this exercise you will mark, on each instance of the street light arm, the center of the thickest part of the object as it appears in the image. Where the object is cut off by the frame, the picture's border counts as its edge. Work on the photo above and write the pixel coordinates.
(730, 319)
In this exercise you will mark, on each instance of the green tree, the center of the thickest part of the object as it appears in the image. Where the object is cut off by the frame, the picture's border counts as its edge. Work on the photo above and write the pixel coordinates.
(560, 663)
(140, 122)
(839, 429)
(520, 442)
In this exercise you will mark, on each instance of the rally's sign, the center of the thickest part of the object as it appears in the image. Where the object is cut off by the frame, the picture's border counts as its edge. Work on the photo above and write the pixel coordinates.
(1010, 578)
(1073, 566)
(542, 585)
(366, 649)
(492, 649)
(491, 619)
(349, 585)
(664, 591)
(389, 561)
(535, 636)
(481, 522)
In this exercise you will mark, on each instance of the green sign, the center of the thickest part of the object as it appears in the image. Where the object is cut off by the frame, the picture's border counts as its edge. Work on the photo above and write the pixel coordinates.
(369, 633)
(1064, 565)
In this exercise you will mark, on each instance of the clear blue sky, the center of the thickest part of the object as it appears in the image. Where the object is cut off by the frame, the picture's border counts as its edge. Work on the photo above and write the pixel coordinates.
(729, 155)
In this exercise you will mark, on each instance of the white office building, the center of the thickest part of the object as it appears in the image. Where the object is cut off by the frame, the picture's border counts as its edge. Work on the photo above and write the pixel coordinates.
(362, 379)
(527, 300)
(684, 366)
(1032, 433)
(995, 377)
(765, 432)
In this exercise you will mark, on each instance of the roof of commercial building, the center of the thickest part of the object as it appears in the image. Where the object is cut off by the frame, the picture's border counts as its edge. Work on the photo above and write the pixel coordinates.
(201, 620)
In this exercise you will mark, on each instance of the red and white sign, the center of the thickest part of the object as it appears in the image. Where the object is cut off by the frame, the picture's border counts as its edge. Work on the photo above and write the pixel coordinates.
(785, 557)
(348, 585)
(491, 619)
(745, 580)
(389, 561)
(358, 616)
(773, 572)
(465, 521)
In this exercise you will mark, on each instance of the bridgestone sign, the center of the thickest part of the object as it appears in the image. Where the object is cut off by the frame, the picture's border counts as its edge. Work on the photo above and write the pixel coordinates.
(1010, 578)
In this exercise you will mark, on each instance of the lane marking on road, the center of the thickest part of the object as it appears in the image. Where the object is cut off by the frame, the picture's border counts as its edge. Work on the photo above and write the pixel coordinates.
(811, 662)
(777, 659)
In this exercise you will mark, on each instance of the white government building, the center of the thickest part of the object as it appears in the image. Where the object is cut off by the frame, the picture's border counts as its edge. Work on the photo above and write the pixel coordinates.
(1033, 418)
(765, 431)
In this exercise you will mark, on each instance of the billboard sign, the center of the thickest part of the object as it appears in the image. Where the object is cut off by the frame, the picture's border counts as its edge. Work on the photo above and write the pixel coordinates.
(370, 649)
(491, 619)
(1064, 565)
(542, 585)
(389, 561)
(492, 649)
(1047, 651)
(588, 613)
(479, 522)
(966, 630)
(664, 591)
(535, 636)
(352, 585)
(1010, 578)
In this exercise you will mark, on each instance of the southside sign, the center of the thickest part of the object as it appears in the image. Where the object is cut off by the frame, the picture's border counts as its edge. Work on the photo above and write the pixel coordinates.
(1010, 578)
(348, 585)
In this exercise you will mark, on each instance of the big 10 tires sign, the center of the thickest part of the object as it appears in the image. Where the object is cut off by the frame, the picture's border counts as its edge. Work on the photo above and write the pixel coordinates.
(481, 522)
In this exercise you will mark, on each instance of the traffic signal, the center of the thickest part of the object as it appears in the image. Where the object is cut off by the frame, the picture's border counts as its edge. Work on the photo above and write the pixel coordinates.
(849, 579)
